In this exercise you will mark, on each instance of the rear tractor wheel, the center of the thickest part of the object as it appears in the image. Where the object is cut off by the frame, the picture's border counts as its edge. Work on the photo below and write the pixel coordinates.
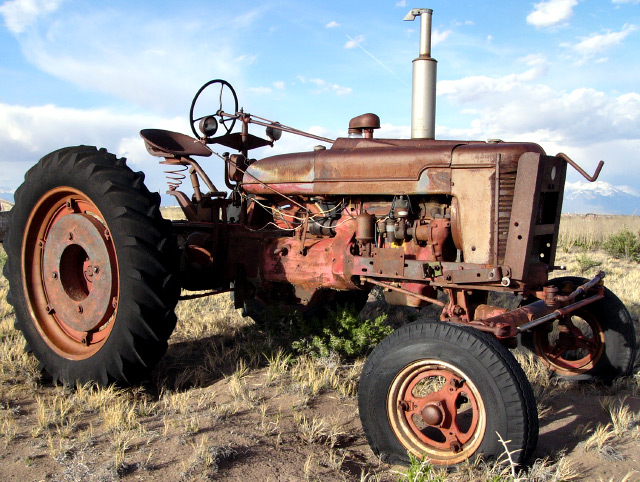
(90, 268)
(446, 393)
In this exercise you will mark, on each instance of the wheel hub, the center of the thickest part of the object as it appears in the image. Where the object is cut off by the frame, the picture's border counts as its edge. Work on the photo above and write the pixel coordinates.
(433, 414)
(77, 273)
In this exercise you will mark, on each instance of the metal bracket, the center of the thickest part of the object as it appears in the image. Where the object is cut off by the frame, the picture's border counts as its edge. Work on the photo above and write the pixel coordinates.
(465, 276)
(388, 261)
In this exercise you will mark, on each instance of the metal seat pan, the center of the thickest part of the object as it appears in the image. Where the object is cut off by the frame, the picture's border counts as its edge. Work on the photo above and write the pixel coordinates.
(162, 143)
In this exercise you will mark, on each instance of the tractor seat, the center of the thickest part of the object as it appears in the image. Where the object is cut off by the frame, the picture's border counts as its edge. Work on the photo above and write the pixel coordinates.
(161, 143)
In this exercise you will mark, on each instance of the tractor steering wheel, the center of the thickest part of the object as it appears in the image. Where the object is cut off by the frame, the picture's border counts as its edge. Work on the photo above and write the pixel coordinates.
(224, 120)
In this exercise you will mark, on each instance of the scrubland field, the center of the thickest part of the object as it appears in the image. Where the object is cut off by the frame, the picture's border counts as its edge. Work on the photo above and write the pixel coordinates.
(235, 401)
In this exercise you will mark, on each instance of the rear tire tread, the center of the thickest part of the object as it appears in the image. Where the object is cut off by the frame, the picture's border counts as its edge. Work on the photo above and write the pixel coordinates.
(145, 313)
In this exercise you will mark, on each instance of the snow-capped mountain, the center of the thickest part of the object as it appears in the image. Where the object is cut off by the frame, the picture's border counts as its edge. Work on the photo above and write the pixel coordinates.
(600, 197)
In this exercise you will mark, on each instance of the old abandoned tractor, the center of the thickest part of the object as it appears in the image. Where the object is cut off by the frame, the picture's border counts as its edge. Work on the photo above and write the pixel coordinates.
(95, 272)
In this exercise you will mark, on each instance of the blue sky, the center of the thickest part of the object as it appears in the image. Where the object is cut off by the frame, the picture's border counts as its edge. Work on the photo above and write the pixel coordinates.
(562, 73)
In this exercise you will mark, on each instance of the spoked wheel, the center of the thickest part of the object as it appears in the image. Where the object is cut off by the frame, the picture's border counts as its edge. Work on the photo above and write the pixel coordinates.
(570, 346)
(434, 409)
(594, 342)
(445, 392)
(90, 268)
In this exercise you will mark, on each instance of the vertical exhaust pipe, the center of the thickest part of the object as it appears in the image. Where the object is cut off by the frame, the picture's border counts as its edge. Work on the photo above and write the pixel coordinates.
(423, 99)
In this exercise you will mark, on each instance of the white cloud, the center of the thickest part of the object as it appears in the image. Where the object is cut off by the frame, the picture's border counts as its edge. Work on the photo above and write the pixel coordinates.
(28, 133)
(140, 62)
(512, 107)
(332, 24)
(354, 42)
(551, 12)
(472, 88)
(260, 90)
(596, 44)
(401, 3)
(626, 1)
(279, 84)
(438, 37)
(389, 131)
(324, 86)
(534, 60)
(21, 14)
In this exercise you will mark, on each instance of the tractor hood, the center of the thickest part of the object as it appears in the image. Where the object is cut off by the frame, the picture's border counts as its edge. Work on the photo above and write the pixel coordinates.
(378, 166)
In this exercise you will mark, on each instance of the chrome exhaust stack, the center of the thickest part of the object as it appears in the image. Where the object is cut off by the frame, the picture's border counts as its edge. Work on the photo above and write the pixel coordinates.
(423, 99)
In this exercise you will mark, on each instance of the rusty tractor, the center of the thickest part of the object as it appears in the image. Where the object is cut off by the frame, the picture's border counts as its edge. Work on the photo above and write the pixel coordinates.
(95, 272)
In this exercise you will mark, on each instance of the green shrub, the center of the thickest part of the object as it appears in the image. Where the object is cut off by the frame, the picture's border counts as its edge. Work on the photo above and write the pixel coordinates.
(585, 263)
(624, 245)
(420, 470)
(343, 332)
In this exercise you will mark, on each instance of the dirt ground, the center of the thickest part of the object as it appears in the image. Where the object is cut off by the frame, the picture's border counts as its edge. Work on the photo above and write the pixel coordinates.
(257, 426)
(241, 447)
(204, 416)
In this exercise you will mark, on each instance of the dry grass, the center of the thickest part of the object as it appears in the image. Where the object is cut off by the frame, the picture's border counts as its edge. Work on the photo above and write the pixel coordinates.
(220, 371)
(591, 231)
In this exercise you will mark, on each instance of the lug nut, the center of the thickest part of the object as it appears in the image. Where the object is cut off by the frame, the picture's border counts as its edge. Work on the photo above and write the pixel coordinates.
(55, 275)
(80, 309)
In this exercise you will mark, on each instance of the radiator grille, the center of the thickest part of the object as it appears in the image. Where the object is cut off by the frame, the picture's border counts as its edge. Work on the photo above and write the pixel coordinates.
(507, 186)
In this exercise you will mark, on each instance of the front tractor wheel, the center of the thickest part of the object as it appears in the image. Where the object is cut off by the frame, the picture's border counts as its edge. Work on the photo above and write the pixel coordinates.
(89, 268)
(448, 394)
(597, 342)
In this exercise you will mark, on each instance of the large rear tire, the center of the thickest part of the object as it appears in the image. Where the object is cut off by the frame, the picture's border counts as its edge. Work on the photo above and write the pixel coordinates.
(90, 268)
(446, 393)
(597, 342)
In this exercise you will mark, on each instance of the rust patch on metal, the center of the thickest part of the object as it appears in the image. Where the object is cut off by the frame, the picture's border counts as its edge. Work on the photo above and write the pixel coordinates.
(388, 261)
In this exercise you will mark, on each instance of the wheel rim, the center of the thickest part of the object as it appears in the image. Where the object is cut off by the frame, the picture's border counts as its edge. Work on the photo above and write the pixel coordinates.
(70, 273)
(436, 411)
(570, 346)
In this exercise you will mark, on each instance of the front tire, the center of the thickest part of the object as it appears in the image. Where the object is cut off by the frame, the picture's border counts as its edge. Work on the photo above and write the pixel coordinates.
(90, 268)
(597, 342)
(445, 392)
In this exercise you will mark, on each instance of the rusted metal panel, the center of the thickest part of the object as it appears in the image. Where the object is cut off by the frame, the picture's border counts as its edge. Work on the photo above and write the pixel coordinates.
(377, 166)
(388, 261)
(474, 275)
(282, 169)
(474, 191)
(535, 217)
(434, 180)
(473, 155)
(78, 271)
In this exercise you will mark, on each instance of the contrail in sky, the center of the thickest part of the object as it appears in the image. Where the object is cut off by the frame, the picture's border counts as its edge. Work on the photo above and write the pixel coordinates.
(377, 60)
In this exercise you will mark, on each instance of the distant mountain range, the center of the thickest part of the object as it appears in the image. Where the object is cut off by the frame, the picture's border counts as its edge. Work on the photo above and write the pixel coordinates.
(600, 197)
(580, 197)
